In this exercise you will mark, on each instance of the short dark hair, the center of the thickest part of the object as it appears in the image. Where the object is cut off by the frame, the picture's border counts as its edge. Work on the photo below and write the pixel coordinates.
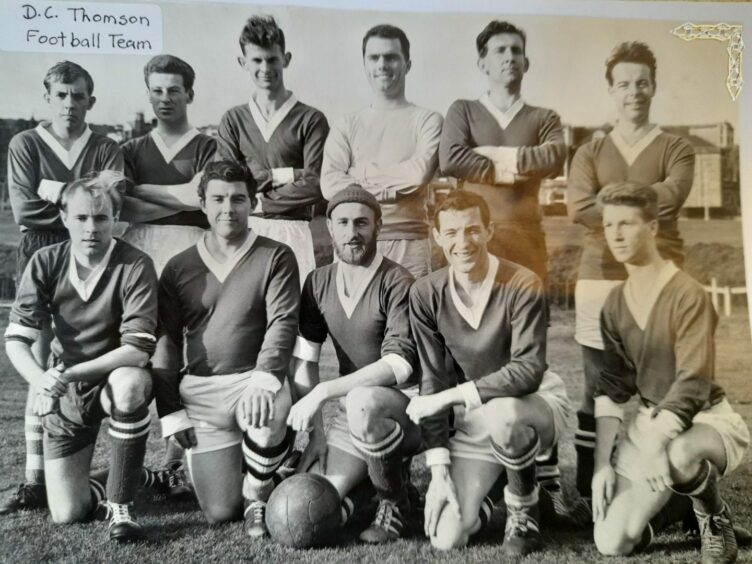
(67, 72)
(630, 52)
(169, 64)
(98, 184)
(262, 31)
(227, 171)
(632, 194)
(495, 28)
(387, 31)
(463, 200)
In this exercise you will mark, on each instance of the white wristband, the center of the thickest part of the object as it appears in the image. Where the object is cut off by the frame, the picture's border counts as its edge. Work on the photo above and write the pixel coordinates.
(50, 190)
(401, 368)
(306, 350)
(470, 395)
(606, 407)
(438, 455)
(282, 176)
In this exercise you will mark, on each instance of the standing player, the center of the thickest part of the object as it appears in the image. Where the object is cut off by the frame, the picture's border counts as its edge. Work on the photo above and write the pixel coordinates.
(228, 313)
(488, 316)
(658, 331)
(501, 148)
(634, 150)
(40, 163)
(361, 301)
(162, 165)
(280, 139)
(389, 148)
(100, 295)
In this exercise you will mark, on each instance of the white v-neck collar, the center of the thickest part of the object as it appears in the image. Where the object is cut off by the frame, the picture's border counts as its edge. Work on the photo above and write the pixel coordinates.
(68, 158)
(85, 288)
(642, 314)
(169, 153)
(362, 279)
(474, 314)
(630, 152)
(221, 270)
(267, 127)
(502, 118)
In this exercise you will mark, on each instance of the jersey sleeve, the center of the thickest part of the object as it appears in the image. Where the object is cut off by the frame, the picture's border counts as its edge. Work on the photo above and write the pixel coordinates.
(206, 152)
(617, 379)
(312, 325)
(110, 157)
(547, 158)
(674, 190)
(29, 210)
(582, 189)
(337, 161)
(31, 308)
(138, 325)
(397, 334)
(456, 155)
(228, 142)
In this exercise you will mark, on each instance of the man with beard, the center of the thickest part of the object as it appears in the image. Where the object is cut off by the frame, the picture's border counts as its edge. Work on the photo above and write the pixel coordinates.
(361, 301)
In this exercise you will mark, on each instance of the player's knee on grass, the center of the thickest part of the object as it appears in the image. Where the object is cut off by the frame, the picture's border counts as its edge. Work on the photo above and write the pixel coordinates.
(506, 422)
(70, 511)
(130, 388)
(365, 415)
(216, 512)
(450, 533)
(611, 541)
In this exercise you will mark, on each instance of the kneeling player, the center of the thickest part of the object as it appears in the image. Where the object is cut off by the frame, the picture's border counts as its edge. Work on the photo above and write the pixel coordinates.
(362, 302)
(229, 307)
(658, 333)
(488, 315)
(100, 295)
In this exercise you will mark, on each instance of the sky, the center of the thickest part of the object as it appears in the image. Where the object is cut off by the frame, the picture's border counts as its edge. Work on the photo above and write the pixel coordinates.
(567, 57)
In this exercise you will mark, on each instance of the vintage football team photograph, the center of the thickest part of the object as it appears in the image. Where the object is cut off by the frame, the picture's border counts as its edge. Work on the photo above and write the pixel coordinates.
(338, 284)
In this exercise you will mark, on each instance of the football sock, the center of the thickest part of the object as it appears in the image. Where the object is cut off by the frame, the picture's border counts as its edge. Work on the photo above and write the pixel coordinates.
(547, 470)
(384, 459)
(33, 433)
(147, 477)
(98, 489)
(674, 511)
(703, 490)
(260, 464)
(520, 468)
(645, 541)
(128, 434)
(584, 445)
(173, 453)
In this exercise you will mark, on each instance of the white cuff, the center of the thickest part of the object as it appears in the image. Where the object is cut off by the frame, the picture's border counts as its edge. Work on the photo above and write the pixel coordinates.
(470, 395)
(667, 424)
(438, 455)
(18, 330)
(50, 190)
(282, 176)
(175, 422)
(265, 381)
(606, 407)
(506, 158)
(502, 175)
(401, 368)
(306, 350)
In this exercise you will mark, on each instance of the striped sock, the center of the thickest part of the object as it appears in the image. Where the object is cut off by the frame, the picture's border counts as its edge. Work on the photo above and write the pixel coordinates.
(128, 434)
(384, 461)
(547, 470)
(33, 433)
(260, 463)
(520, 467)
(584, 444)
(98, 489)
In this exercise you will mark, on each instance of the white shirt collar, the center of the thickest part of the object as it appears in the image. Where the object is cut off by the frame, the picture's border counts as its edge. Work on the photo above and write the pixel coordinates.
(68, 158)
(267, 127)
(641, 311)
(474, 314)
(502, 118)
(169, 153)
(85, 288)
(361, 278)
(630, 152)
(221, 270)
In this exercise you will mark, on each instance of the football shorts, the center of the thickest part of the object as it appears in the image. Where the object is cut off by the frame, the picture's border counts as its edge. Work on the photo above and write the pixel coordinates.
(589, 297)
(296, 234)
(161, 242)
(413, 254)
(75, 425)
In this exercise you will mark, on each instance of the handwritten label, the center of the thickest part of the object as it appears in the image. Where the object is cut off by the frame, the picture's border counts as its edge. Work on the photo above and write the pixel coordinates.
(80, 27)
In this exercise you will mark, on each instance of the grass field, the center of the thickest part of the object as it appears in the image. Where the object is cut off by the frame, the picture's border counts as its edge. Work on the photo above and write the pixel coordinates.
(178, 532)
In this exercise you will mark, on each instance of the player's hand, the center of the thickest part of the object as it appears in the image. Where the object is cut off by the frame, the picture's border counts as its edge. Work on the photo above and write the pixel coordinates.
(53, 383)
(315, 450)
(603, 485)
(186, 438)
(304, 410)
(421, 407)
(488, 151)
(257, 407)
(44, 405)
(441, 496)
(656, 469)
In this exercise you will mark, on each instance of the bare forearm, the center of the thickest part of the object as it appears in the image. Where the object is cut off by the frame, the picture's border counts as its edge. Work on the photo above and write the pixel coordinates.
(139, 211)
(23, 361)
(606, 429)
(305, 376)
(93, 370)
(378, 373)
(179, 197)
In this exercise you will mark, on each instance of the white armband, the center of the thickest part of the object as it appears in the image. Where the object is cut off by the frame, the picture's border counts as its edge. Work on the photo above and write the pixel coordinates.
(668, 424)
(470, 395)
(50, 190)
(437, 455)
(606, 407)
(306, 350)
(282, 176)
(265, 381)
(175, 422)
(401, 368)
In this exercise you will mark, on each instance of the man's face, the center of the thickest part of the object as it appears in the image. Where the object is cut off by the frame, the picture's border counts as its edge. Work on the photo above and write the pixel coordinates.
(629, 236)
(90, 222)
(385, 66)
(227, 206)
(265, 65)
(464, 239)
(168, 97)
(354, 229)
(504, 62)
(69, 104)
(632, 91)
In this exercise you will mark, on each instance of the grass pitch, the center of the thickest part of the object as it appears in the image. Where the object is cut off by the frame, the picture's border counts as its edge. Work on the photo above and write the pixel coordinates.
(177, 532)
